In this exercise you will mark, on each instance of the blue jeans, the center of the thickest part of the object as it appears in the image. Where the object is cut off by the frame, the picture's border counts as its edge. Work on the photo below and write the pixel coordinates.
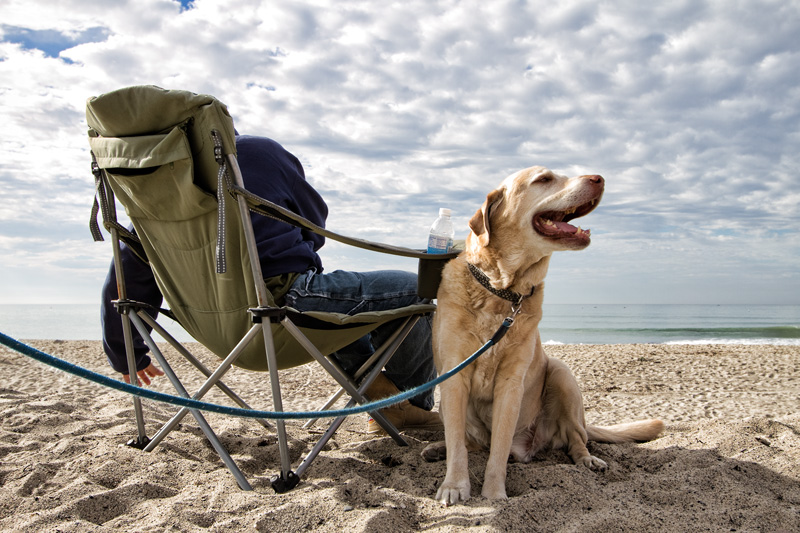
(355, 292)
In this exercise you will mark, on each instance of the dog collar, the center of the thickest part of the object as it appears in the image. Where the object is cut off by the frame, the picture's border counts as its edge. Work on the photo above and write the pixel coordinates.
(506, 294)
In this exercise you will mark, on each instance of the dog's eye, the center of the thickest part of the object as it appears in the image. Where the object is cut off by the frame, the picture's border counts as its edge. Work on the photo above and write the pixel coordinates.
(543, 179)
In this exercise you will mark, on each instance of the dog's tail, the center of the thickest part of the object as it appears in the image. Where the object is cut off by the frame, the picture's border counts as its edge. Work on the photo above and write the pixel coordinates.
(641, 431)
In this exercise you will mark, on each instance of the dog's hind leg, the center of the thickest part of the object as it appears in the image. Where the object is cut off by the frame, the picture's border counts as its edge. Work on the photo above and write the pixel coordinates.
(435, 451)
(564, 410)
(576, 449)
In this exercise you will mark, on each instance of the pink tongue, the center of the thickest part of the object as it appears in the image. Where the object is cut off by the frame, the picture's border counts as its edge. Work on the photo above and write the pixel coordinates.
(566, 228)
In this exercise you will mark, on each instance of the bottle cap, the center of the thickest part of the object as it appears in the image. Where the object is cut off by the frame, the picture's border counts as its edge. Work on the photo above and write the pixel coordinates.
(444, 212)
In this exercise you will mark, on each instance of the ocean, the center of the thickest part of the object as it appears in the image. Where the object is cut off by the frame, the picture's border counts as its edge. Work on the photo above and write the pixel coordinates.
(562, 323)
(671, 324)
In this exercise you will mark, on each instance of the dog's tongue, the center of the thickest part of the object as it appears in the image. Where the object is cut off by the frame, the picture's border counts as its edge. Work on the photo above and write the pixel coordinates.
(566, 228)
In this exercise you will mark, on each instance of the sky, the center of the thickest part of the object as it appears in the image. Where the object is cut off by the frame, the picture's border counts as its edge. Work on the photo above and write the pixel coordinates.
(689, 110)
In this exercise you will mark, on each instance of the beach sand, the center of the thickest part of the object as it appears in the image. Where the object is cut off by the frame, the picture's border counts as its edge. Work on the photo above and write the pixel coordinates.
(728, 461)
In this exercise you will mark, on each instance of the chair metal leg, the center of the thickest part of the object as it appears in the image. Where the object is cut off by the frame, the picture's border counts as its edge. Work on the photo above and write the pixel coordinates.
(385, 352)
(197, 364)
(287, 479)
(201, 421)
(338, 421)
(321, 443)
(218, 373)
(141, 440)
(391, 345)
(343, 380)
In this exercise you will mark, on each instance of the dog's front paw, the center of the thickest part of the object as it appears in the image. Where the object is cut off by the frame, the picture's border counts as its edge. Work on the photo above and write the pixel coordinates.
(594, 463)
(435, 451)
(452, 493)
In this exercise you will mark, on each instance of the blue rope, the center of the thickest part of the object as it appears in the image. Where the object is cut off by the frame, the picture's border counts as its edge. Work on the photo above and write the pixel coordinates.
(106, 381)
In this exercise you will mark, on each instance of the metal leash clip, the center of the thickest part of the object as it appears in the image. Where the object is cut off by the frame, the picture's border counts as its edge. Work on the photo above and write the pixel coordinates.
(516, 307)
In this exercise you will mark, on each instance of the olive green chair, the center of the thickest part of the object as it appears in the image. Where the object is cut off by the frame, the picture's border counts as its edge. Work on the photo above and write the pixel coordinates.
(169, 158)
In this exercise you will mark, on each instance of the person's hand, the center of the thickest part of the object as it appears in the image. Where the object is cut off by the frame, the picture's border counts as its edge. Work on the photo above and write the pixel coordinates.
(151, 371)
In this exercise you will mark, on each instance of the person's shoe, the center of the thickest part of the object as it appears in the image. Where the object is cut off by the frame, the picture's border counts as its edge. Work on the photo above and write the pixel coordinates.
(403, 415)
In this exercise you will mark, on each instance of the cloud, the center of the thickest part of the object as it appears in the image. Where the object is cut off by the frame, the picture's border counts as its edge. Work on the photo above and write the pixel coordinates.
(689, 109)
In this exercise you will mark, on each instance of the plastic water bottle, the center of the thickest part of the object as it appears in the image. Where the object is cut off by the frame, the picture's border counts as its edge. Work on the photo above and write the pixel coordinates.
(440, 240)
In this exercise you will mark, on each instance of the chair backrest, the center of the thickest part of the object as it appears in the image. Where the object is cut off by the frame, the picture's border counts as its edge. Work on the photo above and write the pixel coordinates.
(156, 149)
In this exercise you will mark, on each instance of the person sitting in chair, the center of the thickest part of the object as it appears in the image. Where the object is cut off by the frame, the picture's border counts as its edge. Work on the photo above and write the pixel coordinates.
(293, 272)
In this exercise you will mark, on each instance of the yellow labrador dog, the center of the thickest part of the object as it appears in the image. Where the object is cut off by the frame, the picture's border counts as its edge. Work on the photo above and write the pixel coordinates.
(513, 399)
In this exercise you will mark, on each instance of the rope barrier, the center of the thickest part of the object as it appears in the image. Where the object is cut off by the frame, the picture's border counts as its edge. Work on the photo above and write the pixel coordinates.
(127, 388)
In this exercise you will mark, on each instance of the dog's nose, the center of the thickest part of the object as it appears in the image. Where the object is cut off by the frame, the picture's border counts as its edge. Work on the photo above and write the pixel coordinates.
(594, 178)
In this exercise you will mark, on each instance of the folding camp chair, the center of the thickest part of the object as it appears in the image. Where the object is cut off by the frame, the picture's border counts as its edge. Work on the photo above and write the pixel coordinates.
(169, 157)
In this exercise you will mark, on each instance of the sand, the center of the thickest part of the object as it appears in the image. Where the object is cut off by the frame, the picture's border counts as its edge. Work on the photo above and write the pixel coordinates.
(728, 461)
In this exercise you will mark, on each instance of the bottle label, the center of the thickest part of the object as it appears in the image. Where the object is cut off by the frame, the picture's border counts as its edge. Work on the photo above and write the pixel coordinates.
(439, 244)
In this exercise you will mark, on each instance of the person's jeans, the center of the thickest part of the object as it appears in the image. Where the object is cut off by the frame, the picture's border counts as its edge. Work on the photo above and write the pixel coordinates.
(355, 292)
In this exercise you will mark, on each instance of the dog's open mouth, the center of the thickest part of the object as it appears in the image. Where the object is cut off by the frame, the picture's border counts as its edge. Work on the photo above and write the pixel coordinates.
(555, 224)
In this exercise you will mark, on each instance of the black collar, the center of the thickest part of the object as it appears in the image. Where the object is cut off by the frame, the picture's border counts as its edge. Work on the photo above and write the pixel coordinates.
(506, 294)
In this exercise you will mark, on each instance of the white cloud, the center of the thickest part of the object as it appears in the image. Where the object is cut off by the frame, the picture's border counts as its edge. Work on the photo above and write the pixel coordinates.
(689, 109)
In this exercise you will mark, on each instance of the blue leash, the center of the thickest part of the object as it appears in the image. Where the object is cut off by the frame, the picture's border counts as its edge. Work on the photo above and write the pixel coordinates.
(87, 374)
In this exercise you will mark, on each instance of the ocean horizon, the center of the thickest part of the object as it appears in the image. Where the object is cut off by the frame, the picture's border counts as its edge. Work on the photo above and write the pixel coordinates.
(671, 324)
(562, 323)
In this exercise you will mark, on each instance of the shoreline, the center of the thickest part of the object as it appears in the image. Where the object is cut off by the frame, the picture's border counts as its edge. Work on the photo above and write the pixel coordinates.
(729, 459)
(701, 342)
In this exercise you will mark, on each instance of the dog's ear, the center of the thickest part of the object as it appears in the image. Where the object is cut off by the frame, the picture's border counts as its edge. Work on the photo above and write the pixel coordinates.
(480, 223)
